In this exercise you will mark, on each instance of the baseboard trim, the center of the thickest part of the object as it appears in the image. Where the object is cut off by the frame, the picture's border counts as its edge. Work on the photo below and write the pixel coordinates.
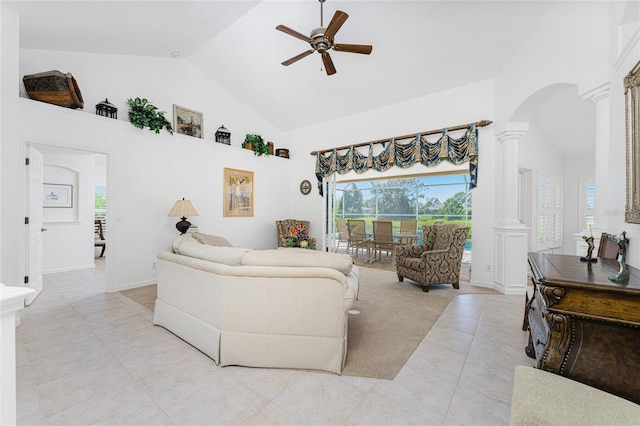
(68, 269)
(131, 285)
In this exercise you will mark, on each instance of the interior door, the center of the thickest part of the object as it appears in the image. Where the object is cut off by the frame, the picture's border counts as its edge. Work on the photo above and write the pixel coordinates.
(33, 267)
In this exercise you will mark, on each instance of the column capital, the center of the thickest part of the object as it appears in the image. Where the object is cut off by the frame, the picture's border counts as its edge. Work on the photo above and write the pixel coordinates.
(513, 131)
(598, 93)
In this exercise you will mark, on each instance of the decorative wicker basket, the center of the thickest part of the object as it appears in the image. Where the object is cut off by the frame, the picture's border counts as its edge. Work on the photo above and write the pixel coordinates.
(55, 88)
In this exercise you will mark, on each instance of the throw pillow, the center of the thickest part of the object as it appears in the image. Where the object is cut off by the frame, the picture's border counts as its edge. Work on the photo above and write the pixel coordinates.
(177, 243)
(212, 240)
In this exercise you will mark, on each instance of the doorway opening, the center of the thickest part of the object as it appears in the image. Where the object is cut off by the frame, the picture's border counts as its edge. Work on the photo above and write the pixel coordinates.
(63, 200)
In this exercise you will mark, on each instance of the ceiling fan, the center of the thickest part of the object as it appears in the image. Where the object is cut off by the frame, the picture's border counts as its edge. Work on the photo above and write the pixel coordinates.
(321, 41)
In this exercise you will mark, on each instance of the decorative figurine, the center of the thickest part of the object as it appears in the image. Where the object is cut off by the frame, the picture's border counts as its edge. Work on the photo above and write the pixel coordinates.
(623, 273)
(590, 245)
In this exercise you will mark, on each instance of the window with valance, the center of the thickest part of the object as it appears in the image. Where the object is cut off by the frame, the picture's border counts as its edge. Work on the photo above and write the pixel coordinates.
(418, 150)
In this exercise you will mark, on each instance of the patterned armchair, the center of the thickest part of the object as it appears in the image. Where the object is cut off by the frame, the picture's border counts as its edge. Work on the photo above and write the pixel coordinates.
(292, 233)
(437, 260)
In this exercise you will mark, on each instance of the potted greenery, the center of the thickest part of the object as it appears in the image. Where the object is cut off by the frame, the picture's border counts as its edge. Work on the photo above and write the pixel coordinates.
(255, 143)
(143, 113)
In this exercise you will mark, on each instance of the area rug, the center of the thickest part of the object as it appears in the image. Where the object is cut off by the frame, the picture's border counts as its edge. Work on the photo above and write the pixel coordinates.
(145, 296)
(393, 319)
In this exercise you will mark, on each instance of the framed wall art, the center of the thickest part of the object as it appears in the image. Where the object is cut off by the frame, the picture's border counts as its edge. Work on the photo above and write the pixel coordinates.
(238, 193)
(57, 195)
(632, 136)
(187, 122)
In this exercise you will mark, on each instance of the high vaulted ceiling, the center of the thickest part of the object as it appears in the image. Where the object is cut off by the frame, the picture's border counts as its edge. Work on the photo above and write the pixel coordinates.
(419, 47)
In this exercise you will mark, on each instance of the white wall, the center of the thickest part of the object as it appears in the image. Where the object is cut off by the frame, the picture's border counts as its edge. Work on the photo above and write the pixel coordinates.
(625, 48)
(569, 45)
(466, 104)
(147, 173)
(539, 154)
(575, 169)
(12, 244)
(164, 82)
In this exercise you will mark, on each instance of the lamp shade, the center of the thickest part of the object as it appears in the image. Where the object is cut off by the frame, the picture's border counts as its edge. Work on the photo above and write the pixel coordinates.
(183, 208)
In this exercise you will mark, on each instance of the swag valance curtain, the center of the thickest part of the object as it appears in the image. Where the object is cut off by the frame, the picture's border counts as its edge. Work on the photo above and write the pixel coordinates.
(419, 150)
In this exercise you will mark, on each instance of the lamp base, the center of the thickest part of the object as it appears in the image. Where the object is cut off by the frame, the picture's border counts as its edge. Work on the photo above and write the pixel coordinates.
(183, 225)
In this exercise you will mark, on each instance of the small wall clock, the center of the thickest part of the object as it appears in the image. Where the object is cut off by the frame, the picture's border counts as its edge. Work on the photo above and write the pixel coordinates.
(305, 187)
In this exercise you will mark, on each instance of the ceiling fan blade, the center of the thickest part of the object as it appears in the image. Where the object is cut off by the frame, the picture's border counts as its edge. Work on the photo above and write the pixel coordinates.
(328, 64)
(297, 57)
(365, 49)
(294, 33)
(336, 22)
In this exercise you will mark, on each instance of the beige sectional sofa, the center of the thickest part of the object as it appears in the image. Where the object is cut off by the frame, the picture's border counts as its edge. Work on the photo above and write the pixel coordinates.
(284, 308)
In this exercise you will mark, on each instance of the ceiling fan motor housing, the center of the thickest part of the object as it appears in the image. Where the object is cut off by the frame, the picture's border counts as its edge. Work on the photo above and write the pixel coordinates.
(319, 42)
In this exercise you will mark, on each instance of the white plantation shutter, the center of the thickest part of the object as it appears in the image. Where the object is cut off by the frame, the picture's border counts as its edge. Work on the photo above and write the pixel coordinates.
(556, 236)
(549, 212)
(590, 204)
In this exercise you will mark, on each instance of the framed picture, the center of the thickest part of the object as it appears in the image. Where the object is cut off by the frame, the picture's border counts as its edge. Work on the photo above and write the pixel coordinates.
(238, 193)
(187, 122)
(632, 135)
(57, 195)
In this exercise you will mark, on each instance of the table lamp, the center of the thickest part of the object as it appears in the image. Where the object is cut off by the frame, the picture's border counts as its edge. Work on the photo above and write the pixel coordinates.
(183, 208)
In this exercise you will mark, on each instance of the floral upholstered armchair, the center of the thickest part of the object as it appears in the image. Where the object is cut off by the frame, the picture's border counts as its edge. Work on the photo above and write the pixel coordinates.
(437, 260)
(294, 233)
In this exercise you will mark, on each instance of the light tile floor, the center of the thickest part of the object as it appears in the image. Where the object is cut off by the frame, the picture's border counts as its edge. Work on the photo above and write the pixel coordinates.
(88, 357)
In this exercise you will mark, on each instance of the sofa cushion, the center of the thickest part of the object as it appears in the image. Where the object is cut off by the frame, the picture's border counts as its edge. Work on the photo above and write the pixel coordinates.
(225, 255)
(177, 243)
(212, 240)
(299, 258)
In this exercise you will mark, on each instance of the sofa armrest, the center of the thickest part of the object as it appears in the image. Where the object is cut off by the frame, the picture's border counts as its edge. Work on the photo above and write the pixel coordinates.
(414, 250)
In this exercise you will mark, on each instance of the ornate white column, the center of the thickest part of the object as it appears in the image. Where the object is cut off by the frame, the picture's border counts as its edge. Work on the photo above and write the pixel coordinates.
(599, 95)
(510, 235)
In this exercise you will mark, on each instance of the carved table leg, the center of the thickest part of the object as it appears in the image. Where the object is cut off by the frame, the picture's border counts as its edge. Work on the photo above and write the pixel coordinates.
(558, 344)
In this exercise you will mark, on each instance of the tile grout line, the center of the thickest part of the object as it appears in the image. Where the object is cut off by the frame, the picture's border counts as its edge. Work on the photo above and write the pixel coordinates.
(466, 358)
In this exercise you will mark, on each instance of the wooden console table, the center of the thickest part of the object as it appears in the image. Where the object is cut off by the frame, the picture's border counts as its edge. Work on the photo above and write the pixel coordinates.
(584, 326)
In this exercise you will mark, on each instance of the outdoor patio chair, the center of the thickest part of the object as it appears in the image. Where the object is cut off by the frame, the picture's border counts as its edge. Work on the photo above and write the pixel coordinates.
(383, 239)
(357, 235)
(343, 234)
